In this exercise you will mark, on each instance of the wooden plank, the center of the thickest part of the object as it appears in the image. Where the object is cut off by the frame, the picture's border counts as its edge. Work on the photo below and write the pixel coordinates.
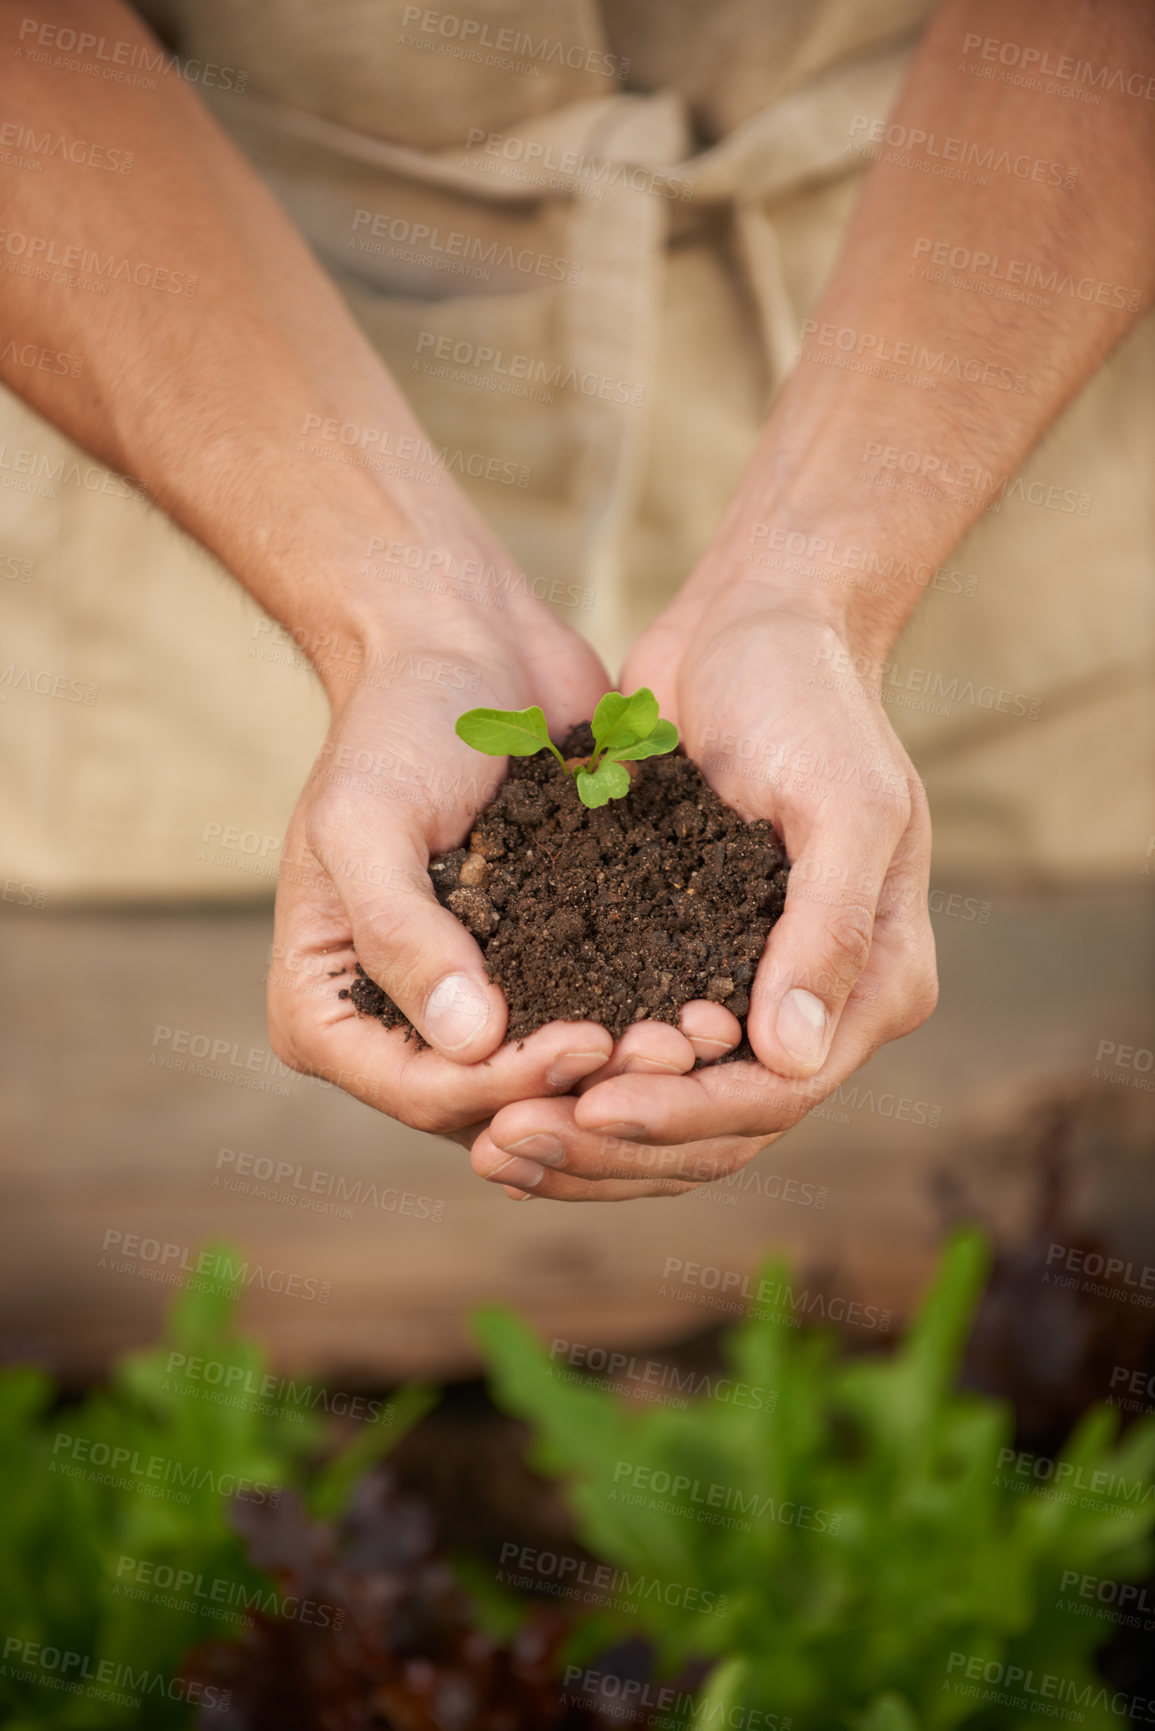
(105, 1144)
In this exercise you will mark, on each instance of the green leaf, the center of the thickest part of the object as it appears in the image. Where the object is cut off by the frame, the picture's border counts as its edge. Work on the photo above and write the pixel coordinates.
(724, 1689)
(505, 732)
(620, 721)
(333, 1486)
(608, 781)
(25, 1391)
(829, 1527)
(497, 1610)
(887, 1713)
(664, 738)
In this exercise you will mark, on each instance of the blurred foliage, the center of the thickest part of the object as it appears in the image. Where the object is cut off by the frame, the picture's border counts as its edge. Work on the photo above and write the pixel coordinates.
(863, 1549)
(118, 1552)
(856, 1554)
(392, 1639)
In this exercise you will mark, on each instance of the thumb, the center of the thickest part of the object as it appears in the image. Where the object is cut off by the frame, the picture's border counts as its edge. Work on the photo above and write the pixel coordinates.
(414, 949)
(820, 946)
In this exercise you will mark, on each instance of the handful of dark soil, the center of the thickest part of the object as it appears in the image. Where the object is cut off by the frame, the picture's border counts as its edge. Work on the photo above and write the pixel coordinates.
(615, 915)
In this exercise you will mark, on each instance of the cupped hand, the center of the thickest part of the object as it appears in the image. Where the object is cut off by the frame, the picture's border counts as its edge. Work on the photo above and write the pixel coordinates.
(393, 786)
(785, 721)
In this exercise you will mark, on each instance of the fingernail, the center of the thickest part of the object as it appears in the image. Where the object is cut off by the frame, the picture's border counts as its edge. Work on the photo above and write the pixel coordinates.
(639, 1065)
(570, 1067)
(802, 1027)
(526, 1174)
(456, 1013)
(541, 1146)
(518, 1195)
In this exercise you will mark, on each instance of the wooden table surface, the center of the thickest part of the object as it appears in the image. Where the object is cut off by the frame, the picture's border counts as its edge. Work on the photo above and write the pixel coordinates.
(104, 1144)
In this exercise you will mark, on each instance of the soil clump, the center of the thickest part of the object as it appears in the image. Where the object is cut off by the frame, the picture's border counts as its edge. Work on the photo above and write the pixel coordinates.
(615, 915)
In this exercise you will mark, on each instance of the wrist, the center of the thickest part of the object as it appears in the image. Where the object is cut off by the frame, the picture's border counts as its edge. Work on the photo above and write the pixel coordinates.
(824, 525)
(387, 595)
(861, 575)
(327, 601)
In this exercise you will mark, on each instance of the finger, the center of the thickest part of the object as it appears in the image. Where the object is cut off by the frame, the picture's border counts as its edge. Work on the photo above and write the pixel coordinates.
(320, 1033)
(724, 1100)
(711, 1029)
(895, 995)
(903, 966)
(820, 946)
(648, 1048)
(513, 1174)
(701, 1113)
(434, 1094)
(418, 952)
(544, 1134)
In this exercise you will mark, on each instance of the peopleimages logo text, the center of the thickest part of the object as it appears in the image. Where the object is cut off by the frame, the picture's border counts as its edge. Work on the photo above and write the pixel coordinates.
(475, 33)
(1041, 61)
(1021, 1684)
(36, 1661)
(85, 261)
(117, 58)
(1115, 1270)
(578, 1575)
(469, 248)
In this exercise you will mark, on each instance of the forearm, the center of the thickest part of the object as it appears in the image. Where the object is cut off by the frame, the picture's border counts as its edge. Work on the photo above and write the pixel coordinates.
(204, 399)
(914, 400)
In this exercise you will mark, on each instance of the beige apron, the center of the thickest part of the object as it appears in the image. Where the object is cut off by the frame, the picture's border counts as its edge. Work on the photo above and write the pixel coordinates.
(603, 291)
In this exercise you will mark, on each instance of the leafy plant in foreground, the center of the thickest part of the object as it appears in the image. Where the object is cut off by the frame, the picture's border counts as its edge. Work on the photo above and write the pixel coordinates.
(625, 729)
(116, 1542)
(854, 1535)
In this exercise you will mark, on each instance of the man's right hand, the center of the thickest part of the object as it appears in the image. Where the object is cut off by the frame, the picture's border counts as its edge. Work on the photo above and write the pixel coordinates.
(392, 787)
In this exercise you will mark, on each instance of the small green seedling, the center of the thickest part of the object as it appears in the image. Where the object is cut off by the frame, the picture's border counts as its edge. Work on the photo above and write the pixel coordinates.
(625, 729)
